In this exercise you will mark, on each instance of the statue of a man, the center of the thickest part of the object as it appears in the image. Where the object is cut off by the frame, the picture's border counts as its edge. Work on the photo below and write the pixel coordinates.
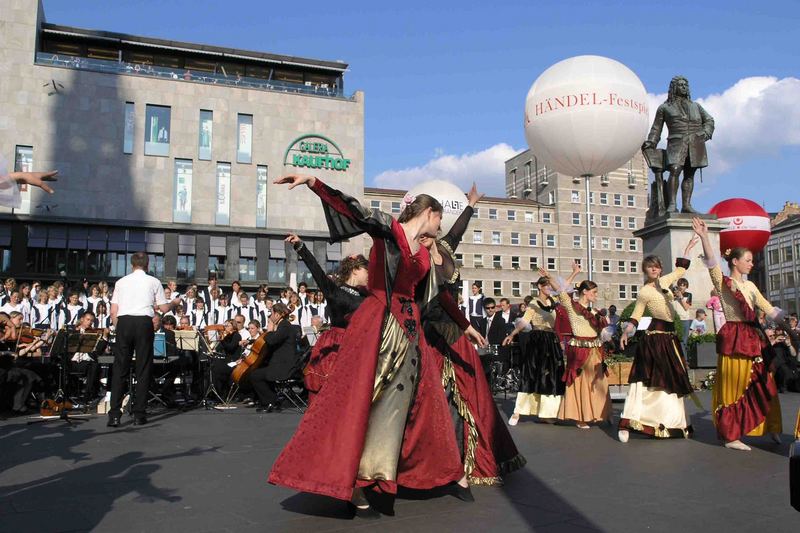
(690, 126)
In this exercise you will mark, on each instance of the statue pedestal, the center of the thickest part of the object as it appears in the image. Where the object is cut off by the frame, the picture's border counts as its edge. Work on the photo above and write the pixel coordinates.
(667, 238)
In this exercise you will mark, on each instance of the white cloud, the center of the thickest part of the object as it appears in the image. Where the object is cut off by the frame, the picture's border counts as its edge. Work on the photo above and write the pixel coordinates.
(486, 168)
(756, 117)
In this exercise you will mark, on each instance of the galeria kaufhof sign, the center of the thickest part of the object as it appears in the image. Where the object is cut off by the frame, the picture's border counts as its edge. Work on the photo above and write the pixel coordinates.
(315, 151)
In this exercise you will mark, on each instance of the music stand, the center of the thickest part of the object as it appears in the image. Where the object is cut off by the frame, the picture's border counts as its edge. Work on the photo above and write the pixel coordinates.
(211, 389)
(67, 343)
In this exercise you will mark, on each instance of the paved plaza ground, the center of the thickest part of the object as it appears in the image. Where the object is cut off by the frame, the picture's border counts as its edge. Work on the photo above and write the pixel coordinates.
(205, 471)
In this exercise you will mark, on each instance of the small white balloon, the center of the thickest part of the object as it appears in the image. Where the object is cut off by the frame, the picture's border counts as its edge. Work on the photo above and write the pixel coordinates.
(453, 199)
(586, 115)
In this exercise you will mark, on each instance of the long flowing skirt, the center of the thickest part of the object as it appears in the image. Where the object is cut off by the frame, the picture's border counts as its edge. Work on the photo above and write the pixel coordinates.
(541, 369)
(587, 399)
(488, 451)
(658, 380)
(742, 386)
(343, 441)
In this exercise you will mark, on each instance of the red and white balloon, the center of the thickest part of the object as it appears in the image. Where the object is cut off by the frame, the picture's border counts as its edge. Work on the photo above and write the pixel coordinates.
(748, 225)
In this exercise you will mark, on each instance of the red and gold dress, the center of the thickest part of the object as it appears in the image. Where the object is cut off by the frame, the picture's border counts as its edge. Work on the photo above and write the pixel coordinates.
(586, 398)
(745, 396)
(381, 419)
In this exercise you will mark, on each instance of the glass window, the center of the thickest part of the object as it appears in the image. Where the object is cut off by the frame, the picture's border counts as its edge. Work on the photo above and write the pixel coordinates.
(205, 135)
(605, 243)
(460, 260)
(575, 197)
(634, 292)
(529, 217)
(576, 219)
(247, 268)
(496, 238)
(395, 208)
(515, 238)
(631, 222)
(546, 218)
(633, 266)
(533, 239)
(5, 259)
(156, 265)
(127, 136)
(774, 256)
(492, 214)
(515, 290)
(577, 241)
(620, 244)
(216, 264)
(23, 162)
(623, 293)
(277, 270)
(515, 262)
(477, 261)
(477, 237)
(551, 197)
(774, 282)
(787, 253)
(621, 266)
(604, 221)
(631, 200)
(156, 135)
(606, 265)
(533, 263)
(304, 274)
(475, 212)
(633, 245)
(618, 200)
(591, 197)
(551, 263)
(223, 210)
(182, 204)
(551, 241)
(618, 221)
(497, 261)
(512, 215)
(186, 267)
(261, 195)
(244, 150)
(603, 198)
(497, 286)
(375, 204)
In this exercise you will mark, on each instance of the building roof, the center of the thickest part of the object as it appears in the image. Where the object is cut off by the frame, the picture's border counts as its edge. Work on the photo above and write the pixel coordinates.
(495, 199)
(788, 223)
(203, 49)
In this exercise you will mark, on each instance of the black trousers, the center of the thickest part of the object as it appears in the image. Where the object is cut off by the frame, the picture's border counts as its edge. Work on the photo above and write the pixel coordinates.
(263, 386)
(90, 369)
(134, 334)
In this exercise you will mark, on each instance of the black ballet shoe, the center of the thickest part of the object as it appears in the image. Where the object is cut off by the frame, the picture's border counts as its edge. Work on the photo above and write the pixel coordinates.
(366, 513)
(463, 493)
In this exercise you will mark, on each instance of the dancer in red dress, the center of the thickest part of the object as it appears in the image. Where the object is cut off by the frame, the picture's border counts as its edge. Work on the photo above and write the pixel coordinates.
(343, 297)
(381, 419)
(488, 451)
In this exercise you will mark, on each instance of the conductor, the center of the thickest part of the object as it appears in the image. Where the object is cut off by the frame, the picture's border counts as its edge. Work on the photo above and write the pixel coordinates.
(132, 309)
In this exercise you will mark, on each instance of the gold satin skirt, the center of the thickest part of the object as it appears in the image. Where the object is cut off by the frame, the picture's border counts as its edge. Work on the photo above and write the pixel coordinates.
(733, 377)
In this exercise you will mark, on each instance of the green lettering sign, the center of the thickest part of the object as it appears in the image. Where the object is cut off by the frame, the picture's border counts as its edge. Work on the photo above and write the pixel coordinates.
(315, 151)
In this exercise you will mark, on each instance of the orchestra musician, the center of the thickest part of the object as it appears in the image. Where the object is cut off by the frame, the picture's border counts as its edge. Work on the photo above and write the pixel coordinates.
(86, 364)
(281, 343)
(231, 350)
(15, 379)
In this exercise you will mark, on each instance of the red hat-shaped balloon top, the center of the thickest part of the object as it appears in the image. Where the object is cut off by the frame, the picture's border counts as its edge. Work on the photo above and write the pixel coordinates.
(748, 225)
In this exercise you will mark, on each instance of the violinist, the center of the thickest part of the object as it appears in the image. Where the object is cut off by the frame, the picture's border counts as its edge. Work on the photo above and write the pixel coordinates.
(15, 381)
(85, 364)
(281, 343)
(230, 351)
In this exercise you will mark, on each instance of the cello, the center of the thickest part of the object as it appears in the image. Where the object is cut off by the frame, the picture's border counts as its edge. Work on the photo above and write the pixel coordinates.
(253, 360)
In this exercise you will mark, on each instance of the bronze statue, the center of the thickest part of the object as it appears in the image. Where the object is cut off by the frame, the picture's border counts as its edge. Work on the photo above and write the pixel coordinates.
(690, 126)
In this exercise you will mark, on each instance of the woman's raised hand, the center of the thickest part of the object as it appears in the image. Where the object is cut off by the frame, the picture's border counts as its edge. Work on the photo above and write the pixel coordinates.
(293, 238)
(692, 242)
(699, 227)
(473, 197)
(296, 179)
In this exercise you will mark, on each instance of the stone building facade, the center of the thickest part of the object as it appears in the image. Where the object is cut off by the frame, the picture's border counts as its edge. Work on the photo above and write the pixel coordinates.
(169, 147)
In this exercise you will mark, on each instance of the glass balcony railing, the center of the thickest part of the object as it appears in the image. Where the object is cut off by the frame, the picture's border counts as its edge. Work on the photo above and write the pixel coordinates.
(134, 69)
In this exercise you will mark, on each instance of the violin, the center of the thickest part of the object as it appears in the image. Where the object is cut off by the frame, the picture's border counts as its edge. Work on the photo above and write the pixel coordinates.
(55, 407)
(253, 360)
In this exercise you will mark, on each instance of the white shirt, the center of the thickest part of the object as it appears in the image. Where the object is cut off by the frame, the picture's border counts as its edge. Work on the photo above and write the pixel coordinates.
(20, 308)
(137, 293)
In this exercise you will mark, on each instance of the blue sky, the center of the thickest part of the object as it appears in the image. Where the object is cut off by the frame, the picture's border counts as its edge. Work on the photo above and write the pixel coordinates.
(445, 82)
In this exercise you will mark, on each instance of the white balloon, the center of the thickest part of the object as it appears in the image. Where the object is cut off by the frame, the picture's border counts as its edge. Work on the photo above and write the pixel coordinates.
(453, 199)
(586, 115)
